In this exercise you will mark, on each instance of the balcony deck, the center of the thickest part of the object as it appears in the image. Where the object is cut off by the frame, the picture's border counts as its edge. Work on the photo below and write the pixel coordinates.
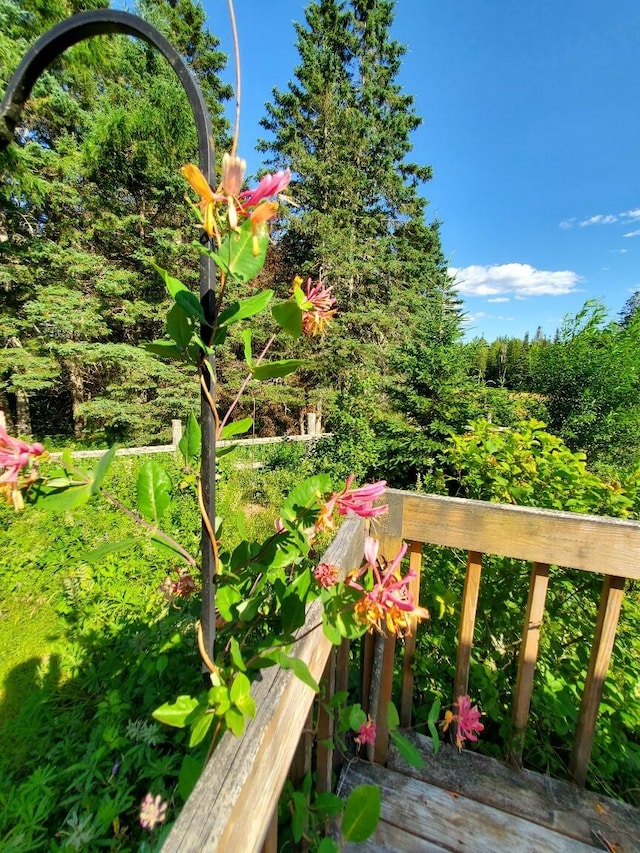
(456, 802)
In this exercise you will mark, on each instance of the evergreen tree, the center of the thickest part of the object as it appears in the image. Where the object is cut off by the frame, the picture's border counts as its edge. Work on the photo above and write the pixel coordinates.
(88, 198)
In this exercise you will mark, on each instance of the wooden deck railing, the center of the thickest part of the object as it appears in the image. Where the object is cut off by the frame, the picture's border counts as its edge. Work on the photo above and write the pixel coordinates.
(234, 804)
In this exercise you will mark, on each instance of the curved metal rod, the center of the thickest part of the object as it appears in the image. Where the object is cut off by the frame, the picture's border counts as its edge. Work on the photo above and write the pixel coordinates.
(39, 56)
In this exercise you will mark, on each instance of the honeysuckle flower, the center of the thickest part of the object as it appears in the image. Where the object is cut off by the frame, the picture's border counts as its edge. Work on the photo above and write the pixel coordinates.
(268, 186)
(359, 500)
(152, 812)
(208, 199)
(319, 309)
(233, 169)
(15, 455)
(326, 575)
(259, 218)
(367, 733)
(388, 601)
(467, 721)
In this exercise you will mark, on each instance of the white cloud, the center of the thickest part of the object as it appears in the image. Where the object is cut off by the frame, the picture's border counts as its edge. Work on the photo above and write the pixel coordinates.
(507, 280)
(599, 219)
(568, 223)
(499, 299)
(631, 214)
(635, 233)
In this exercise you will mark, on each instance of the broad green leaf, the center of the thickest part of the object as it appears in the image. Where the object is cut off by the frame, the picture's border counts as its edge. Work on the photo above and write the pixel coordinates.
(330, 805)
(235, 721)
(275, 369)
(236, 654)
(67, 498)
(293, 603)
(300, 669)
(176, 713)
(361, 813)
(237, 252)
(330, 631)
(236, 428)
(227, 597)
(165, 349)
(357, 717)
(101, 469)
(289, 317)
(222, 451)
(200, 729)
(154, 491)
(191, 440)
(173, 285)
(247, 705)
(110, 548)
(190, 771)
(306, 496)
(241, 687)
(393, 720)
(407, 750)
(164, 543)
(244, 308)
(190, 304)
(328, 845)
(180, 326)
(299, 815)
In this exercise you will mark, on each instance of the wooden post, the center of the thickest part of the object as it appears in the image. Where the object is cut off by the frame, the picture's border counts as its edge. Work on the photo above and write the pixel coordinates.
(326, 719)
(381, 688)
(415, 563)
(528, 655)
(311, 423)
(301, 761)
(605, 634)
(467, 623)
(176, 432)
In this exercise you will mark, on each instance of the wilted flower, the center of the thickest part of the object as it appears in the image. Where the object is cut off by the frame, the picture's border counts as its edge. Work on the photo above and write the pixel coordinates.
(359, 500)
(367, 733)
(182, 587)
(388, 600)
(467, 721)
(16, 456)
(152, 812)
(326, 575)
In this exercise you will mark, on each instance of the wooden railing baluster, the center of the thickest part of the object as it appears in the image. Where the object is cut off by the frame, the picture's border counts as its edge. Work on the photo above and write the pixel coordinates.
(467, 623)
(325, 729)
(270, 843)
(528, 656)
(415, 563)
(604, 636)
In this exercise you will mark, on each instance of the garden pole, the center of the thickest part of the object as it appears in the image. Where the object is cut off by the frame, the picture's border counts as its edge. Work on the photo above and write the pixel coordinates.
(39, 56)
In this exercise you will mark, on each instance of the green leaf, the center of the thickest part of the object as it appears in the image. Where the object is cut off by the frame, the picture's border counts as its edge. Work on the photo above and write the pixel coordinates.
(236, 653)
(236, 255)
(227, 597)
(235, 721)
(274, 369)
(247, 705)
(67, 498)
(190, 771)
(244, 308)
(407, 750)
(180, 326)
(361, 813)
(241, 687)
(294, 602)
(110, 548)
(165, 349)
(289, 317)
(200, 729)
(328, 845)
(101, 469)
(393, 720)
(328, 804)
(163, 543)
(223, 451)
(357, 717)
(173, 285)
(190, 304)
(300, 669)
(176, 713)
(299, 815)
(154, 491)
(236, 428)
(191, 440)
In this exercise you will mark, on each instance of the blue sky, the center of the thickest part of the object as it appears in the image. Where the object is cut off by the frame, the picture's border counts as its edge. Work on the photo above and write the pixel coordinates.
(531, 121)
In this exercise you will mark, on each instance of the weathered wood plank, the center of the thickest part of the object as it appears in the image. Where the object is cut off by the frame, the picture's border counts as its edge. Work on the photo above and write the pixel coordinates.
(587, 542)
(604, 636)
(528, 657)
(451, 820)
(467, 623)
(406, 697)
(326, 717)
(554, 803)
(270, 844)
(232, 803)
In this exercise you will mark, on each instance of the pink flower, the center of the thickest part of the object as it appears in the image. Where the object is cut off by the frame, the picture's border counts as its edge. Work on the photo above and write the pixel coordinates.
(467, 721)
(360, 501)
(319, 309)
(16, 455)
(367, 733)
(389, 598)
(152, 812)
(326, 575)
(268, 186)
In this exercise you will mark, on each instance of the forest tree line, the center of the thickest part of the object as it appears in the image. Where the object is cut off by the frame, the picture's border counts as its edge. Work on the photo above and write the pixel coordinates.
(91, 195)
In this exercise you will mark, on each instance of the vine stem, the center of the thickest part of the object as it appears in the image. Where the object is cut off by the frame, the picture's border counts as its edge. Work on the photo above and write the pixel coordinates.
(244, 385)
(236, 53)
(203, 652)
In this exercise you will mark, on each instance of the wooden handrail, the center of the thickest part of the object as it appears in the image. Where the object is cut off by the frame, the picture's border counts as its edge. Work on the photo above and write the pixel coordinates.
(232, 804)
